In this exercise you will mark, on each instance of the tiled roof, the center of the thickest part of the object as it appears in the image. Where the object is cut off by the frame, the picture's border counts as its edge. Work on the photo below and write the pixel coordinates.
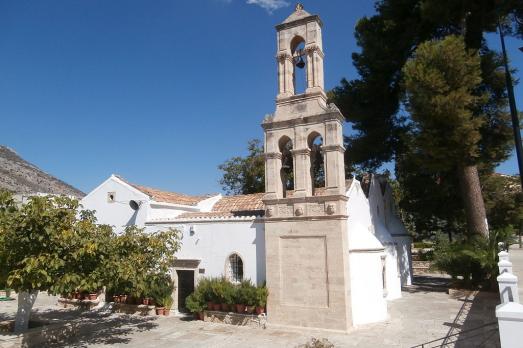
(167, 197)
(232, 206)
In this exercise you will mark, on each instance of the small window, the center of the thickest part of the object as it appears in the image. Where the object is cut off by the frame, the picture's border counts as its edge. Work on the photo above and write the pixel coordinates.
(111, 197)
(235, 268)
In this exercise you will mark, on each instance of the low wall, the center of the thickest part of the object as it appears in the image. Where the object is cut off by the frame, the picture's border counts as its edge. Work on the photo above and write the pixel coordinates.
(235, 318)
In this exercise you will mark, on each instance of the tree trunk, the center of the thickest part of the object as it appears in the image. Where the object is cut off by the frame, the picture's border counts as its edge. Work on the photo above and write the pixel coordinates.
(473, 200)
(26, 301)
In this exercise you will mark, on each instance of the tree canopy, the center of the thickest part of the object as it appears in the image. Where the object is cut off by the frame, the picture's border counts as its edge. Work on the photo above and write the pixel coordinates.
(50, 244)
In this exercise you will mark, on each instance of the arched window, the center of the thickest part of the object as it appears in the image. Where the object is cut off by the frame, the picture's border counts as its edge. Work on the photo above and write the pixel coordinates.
(235, 268)
(287, 165)
(315, 141)
(299, 59)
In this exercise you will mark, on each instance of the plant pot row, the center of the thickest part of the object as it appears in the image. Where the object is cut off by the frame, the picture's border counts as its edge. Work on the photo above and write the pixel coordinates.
(237, 308)
(132, 300)
(163, 311)
(82, 296)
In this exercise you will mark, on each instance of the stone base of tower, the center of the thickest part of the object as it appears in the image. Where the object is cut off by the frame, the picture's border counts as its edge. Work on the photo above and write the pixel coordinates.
(308, 273)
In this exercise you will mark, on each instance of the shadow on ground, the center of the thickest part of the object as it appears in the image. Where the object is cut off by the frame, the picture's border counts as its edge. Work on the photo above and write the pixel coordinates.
(88, 328)
(428, 283)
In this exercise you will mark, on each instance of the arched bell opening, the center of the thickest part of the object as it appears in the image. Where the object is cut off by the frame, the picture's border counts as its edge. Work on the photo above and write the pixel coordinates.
(317, 170)
(299, 59)
(287, 165)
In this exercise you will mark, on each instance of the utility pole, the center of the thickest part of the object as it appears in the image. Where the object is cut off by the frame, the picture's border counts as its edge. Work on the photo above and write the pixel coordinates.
(514, 115)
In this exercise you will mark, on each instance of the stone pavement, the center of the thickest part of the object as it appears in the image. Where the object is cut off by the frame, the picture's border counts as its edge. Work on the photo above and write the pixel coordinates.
(425, 312)
(516, 257)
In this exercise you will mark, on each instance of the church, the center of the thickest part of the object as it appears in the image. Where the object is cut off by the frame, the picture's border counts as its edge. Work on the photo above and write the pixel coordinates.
(332, 253)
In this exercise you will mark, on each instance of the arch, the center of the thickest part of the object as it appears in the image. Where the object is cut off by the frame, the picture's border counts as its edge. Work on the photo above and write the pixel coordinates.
(234, 268)
(317, 169)
(287, 164)
(299, 58)
(295, 42)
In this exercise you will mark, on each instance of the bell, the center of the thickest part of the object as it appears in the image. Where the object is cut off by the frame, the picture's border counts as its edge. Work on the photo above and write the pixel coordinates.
(301, 63)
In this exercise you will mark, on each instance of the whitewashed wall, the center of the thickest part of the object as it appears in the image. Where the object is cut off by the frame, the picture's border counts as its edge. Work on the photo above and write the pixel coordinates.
(378, 207)
(213, 242)
(118, 214)
(401, 237)
(365, 256)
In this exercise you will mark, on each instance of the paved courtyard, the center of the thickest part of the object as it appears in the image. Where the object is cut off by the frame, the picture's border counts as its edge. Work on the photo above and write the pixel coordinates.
(424, 313)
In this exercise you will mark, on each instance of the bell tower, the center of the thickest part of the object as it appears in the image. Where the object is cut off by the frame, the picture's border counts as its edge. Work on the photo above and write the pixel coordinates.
(307, 260)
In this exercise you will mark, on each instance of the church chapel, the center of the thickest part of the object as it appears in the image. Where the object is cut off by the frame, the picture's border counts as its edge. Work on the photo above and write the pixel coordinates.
(332, 251)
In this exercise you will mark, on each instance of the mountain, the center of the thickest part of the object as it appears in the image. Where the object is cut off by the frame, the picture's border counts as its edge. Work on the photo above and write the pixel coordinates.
(22, 177)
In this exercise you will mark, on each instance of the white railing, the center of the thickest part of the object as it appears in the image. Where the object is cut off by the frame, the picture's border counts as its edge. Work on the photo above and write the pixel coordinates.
(510, 311)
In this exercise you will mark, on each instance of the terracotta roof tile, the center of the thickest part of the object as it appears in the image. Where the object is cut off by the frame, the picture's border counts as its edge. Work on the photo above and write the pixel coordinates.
(232, 206)
(167, 197)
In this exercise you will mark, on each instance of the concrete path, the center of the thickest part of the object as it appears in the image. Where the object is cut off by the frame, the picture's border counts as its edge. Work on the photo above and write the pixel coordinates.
(424, 313)
(516, 257)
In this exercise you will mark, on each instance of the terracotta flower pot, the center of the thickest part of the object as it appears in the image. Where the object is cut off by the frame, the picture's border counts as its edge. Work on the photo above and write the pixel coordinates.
(240, 308)
(216, 307)
(260, 310)
(116, 299)
(224, 307)
(145, 301)
(166, 311)
(93, 296)
(160, 310)
(250, 309)
(77, 296)
(200, 315)
(210, 305)
(123, 298)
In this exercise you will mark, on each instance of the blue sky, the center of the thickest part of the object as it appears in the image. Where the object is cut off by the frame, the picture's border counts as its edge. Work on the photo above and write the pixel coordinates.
(160, 92)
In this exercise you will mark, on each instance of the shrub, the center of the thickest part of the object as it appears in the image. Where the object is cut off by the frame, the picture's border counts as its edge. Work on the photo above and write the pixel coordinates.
(422, 245)
(195, 302)
(471, 263)
(161, 288)
(261, 296)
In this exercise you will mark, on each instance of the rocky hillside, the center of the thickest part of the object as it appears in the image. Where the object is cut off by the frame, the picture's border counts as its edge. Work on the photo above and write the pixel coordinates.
(20, 176)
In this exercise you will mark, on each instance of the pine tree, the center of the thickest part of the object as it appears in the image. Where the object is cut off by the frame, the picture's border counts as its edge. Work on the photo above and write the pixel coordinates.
(441, 84)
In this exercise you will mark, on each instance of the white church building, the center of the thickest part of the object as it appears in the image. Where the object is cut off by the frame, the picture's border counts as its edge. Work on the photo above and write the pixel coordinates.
(332, 256)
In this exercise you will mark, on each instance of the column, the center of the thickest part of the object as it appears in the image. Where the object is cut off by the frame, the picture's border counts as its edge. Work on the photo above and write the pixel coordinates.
(273, 184)
(302, 177)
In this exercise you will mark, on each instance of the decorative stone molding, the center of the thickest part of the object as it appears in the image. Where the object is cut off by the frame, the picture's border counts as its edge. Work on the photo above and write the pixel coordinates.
(314, 48)
(313, 119)
(331, 209)
(273, 155)
(269, 212)
(283, 56)
(327, 148)
(305, 151)
(299, 211)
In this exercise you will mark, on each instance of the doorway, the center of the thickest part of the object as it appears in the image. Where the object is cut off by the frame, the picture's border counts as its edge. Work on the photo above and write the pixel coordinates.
(185, 287)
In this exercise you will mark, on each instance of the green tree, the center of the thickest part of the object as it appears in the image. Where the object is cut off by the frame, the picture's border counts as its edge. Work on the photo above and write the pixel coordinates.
(382, 130)
(387, 40)
(139, 259)
(441, 82)
(44, 246)
(245, 175)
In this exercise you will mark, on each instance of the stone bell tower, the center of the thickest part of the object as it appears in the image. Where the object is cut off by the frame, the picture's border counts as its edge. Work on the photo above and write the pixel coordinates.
(307, 256)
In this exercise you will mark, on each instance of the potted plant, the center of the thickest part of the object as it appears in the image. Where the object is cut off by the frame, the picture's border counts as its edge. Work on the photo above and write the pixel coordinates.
(250, 299)
(204, 288)
(168, 303)
(240, 298)
(261, 299)
(196, 304)
(217, 294)
(228, 299)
